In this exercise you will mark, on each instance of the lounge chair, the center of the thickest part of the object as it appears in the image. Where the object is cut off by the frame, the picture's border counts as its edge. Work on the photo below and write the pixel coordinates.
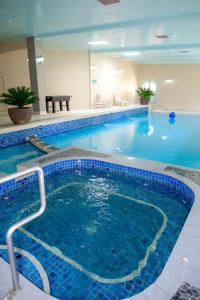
(99, 102)
(119, 101)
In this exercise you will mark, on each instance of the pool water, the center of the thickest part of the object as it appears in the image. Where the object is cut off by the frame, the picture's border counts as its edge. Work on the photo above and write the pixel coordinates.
(11, 156)
(149, 136)
(104, 228)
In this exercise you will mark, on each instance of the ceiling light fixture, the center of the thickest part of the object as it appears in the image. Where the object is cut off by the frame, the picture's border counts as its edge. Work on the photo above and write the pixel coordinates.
(162, 36)
(133, 53)
(108, 2)
(97, 43)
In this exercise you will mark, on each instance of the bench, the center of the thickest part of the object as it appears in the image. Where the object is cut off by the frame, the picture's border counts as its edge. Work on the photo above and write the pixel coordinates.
(60, 99)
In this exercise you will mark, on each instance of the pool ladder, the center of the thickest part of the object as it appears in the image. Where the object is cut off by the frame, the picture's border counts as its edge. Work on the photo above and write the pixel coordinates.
(13, 228)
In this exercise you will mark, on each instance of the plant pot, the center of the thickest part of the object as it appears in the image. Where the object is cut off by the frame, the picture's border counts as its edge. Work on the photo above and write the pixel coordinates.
(20, 115)
(144, 101)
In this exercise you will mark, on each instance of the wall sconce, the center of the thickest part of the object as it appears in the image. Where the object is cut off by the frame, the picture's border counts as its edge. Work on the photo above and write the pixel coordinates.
(93, 68)
(119, 72)
(40, 60)
(169, 81)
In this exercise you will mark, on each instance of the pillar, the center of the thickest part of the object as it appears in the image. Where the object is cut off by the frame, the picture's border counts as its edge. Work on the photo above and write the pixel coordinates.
(35, 60)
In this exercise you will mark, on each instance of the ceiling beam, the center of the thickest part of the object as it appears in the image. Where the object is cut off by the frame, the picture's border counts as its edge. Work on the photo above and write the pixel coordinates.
(150, 48)
(126, 24)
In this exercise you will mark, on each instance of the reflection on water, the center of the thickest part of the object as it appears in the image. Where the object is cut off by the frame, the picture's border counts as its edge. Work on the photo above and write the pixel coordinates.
(153, 137)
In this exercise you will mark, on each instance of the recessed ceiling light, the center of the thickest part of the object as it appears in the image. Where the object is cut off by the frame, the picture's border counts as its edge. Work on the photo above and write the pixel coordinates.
(108, 2)
(162, 36)
(97, 43)
(184, 51)
(133, 53)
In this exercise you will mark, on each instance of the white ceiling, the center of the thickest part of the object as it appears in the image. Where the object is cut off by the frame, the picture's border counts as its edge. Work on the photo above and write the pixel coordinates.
(128, 26)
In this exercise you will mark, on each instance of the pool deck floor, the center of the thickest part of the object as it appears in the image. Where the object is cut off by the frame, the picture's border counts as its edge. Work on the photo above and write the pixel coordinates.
(183, 267)
(28, 290)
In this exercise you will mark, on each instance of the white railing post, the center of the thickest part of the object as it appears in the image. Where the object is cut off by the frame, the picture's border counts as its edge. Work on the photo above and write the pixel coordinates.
(26, 220)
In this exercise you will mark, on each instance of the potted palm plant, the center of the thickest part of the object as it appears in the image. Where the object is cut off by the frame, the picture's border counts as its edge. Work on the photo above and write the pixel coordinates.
(144, 95)
(19, 97)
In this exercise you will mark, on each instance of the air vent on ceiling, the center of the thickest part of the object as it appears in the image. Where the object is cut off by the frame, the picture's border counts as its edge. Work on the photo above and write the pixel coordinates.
(108, 2)
(162, 36)
(184, 51)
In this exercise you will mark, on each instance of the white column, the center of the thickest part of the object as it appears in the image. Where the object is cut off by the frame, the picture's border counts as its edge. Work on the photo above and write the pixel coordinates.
(36, 72)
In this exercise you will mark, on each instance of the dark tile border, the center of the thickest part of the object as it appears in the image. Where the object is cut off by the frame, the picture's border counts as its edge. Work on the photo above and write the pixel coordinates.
(187, 292)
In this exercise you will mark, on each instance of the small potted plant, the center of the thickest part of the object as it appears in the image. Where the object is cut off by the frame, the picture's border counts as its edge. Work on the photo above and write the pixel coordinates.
(19, 97)
(144, 95)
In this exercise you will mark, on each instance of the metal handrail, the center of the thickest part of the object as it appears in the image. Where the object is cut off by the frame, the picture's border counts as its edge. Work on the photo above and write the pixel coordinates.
(26, 220)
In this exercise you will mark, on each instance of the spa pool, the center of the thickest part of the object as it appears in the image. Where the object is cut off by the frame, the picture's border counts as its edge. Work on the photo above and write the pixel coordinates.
(107, 229)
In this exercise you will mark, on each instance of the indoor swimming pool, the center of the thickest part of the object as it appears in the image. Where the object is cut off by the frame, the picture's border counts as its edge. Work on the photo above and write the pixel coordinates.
(151, 136)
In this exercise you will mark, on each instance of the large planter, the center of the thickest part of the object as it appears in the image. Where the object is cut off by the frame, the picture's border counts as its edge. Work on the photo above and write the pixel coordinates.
(144, 101)
(20, 115)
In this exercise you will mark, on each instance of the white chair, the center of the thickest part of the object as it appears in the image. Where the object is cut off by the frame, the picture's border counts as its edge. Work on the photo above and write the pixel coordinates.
(109, 103)
(99, 102)
(119, 101)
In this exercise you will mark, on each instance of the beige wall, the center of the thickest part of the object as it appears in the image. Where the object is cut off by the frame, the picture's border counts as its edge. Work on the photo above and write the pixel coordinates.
(183, 92)
(67, 73)
(13, 70)
(112, 76)
(70, 73)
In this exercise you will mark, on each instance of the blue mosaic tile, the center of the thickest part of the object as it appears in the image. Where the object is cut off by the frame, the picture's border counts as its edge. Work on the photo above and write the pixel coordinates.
(19, 137)
(164, 179)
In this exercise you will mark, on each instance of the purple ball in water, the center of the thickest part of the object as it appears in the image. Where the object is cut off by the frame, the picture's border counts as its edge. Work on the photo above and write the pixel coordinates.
(172, 115)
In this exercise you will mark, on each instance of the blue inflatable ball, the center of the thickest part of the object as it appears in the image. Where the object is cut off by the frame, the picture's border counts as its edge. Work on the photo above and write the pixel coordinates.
(172, 121)
(172, 115)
